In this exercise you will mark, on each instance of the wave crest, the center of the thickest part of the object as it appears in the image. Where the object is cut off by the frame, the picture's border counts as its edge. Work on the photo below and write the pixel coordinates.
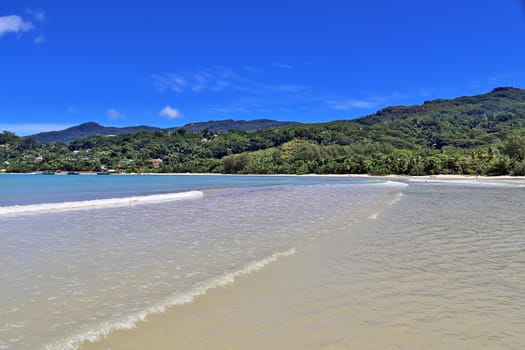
(104, 329)
(16, 210)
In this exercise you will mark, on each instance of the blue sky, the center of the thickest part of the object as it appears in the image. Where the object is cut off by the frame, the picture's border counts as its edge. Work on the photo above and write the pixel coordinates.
(168, 63)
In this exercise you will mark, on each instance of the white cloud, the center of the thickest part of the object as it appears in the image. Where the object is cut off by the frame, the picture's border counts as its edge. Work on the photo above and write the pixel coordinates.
(14, 24)
(113, 113)
(169, 112)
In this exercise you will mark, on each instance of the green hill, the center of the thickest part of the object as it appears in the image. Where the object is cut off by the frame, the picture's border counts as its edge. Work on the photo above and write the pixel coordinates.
(230, 124)
(85, 130)
(462, 122)
(480, 134)
(93, 129)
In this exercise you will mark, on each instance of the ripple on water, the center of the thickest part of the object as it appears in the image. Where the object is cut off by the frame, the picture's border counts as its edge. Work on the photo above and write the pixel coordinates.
(86, 272)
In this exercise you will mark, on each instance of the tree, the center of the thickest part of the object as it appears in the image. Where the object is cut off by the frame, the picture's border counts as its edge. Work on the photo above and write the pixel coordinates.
(515, 147)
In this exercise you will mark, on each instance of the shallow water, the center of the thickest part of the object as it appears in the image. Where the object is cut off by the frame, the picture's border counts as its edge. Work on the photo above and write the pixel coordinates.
(23, 189)
(442, 268)
(322, 266)
(76, 275)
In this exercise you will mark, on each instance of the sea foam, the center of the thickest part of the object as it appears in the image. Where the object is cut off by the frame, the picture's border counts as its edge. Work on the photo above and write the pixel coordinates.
(471, 183)
(102, 330)
(17, 210)
(390, 183)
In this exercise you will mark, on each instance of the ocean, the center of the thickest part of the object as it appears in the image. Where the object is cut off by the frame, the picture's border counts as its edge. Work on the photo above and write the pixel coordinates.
(260, 262)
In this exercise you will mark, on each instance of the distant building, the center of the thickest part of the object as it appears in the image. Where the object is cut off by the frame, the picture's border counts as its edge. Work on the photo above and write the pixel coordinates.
(156, 162)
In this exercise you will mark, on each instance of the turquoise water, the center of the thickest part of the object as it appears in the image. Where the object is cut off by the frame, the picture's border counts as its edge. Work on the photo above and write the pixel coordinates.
(20, 189)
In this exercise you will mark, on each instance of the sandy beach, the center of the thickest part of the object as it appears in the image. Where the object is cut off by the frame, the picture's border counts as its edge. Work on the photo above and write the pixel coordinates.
(393, 176)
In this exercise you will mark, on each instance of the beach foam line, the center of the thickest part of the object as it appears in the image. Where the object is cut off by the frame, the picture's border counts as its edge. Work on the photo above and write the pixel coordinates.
(101, 331)
(390, 183)
(473, 182)
(16, 210)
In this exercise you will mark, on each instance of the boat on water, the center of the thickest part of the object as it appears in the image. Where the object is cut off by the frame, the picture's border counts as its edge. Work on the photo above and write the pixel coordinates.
(73, 173)
(46, 172)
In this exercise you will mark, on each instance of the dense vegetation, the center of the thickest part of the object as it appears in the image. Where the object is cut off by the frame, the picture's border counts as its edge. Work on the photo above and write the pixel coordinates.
(468, 135)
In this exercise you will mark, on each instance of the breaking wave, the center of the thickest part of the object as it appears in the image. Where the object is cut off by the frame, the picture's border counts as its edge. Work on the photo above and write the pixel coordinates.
(104, 329)
(390, 183)
(16, 210)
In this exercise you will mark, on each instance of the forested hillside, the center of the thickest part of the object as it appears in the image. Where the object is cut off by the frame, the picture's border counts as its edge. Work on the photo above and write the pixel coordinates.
(93, 129)
(468, 135)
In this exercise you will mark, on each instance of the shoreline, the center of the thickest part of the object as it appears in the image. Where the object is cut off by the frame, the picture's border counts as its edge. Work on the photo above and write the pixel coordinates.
(391, 176)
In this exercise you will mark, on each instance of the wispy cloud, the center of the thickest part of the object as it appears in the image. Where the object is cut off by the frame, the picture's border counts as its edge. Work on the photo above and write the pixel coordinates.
(349, 104)
(369, 102)
(170, 112)
(291, 88)
(218, 80)
(14, 24)
(173, 82)
(282, 65)
(114, 114)
(39, 39)
(203, 80)
(37, 15)
(239, 93)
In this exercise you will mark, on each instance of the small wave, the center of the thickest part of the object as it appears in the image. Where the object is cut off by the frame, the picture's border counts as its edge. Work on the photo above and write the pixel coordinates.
(390, 183)
(464, 182)
(16, 210)
(104, 329)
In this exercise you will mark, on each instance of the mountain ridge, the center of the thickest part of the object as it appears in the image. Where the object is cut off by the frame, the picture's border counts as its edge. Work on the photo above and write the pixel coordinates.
(95, 129)
(467, 107)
